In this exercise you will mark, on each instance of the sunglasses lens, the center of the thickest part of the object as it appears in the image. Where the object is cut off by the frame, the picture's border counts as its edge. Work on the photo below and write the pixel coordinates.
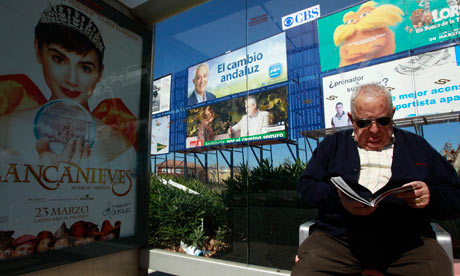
(363, 123)
(383, 121)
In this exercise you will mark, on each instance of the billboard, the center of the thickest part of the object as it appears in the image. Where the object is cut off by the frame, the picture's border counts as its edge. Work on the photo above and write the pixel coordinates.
(257, 65)
(161, 94)
(383, 27)
(160, 135)
(250, 118)
(69, 115)
(424, 84)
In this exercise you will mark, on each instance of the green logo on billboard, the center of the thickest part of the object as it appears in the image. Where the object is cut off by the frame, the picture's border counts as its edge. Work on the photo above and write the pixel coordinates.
(160, 146)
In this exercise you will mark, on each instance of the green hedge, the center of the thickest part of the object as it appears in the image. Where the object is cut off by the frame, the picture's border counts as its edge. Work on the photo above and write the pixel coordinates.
(175, 215)
(265, 177)
(207, 220)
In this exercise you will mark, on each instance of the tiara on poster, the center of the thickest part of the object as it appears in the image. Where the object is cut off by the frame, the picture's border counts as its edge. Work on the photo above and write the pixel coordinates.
(72, 18)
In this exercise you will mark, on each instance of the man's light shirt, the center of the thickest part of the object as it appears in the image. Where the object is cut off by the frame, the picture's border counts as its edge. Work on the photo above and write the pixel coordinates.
(375, 167)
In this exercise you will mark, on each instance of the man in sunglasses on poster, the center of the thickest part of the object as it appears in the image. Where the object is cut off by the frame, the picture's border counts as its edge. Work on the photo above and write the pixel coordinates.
(394, 237)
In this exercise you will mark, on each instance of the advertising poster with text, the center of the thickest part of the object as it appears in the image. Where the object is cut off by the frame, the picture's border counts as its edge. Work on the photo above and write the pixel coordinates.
(420, 85)
(260, 64)
(161, 94)
(160, 135)
(251, 118)
(379, 28)
(69, 109)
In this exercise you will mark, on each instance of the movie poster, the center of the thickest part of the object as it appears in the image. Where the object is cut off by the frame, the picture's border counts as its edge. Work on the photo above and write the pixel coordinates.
(379, 28)
(257, 65)
(420, 85)
(69, 109)
(256, 117)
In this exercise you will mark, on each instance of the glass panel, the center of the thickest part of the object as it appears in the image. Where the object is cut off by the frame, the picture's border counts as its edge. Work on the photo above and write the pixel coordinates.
(201, 56)
(282, 76)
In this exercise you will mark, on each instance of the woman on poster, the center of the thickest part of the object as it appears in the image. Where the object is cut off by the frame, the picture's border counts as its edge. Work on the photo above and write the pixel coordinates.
(70, 49)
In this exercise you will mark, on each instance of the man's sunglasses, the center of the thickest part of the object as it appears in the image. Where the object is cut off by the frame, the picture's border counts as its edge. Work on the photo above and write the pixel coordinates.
(364, 123)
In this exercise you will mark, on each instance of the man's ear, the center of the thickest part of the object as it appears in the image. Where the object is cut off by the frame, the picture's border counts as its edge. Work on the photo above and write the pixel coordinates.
(37, 51)
(350, 116)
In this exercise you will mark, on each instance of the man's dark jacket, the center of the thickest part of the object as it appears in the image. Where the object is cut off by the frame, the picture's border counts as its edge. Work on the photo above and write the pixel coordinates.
(192, 98)
(413, 159)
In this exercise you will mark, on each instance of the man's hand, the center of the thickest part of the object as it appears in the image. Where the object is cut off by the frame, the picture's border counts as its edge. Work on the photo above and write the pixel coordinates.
(354, 207)
(419, 197)
(230, 131)
(76, 150)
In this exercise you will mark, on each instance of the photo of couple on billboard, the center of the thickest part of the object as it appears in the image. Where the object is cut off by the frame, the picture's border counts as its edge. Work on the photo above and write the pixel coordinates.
(247, 118)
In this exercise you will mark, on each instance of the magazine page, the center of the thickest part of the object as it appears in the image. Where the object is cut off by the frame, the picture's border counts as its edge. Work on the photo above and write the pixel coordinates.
(343, 186)
(392, 192)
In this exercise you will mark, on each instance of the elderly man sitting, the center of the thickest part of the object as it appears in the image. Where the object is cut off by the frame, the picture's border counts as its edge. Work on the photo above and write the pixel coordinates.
(395, 236)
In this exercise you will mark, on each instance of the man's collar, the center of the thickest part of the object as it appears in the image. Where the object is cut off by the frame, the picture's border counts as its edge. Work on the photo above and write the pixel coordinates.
(200, 97)
(343, 113)
(255, 115)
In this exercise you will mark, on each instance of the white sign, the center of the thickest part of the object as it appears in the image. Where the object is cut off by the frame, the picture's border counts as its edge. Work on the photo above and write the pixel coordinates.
(300, 17)
(160, 135)
(161, 94)
(420, 85)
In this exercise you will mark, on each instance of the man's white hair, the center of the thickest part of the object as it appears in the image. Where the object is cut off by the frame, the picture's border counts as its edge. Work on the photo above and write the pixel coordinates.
(204, 64)
(373, 90)
(251, 100)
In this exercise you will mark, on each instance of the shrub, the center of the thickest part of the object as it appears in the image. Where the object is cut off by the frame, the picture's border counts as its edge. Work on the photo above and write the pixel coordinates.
(264, 177)
(175, 215)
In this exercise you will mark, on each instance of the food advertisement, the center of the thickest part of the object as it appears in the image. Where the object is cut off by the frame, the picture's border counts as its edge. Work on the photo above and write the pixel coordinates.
(420, 85)
(380, 28)
(69, 109)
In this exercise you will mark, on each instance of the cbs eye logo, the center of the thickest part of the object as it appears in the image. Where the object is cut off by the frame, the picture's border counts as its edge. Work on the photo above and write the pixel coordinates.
(288, 21)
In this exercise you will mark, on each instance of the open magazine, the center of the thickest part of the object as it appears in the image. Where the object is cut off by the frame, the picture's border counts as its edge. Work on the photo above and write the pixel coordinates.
(343, 186)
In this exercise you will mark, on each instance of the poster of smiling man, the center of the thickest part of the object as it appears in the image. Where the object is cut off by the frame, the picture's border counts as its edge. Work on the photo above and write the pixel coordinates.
(69, 139)
(257, 65)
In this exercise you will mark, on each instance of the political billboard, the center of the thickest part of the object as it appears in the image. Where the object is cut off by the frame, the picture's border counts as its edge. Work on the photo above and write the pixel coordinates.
(245, 119)
(257, 65)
